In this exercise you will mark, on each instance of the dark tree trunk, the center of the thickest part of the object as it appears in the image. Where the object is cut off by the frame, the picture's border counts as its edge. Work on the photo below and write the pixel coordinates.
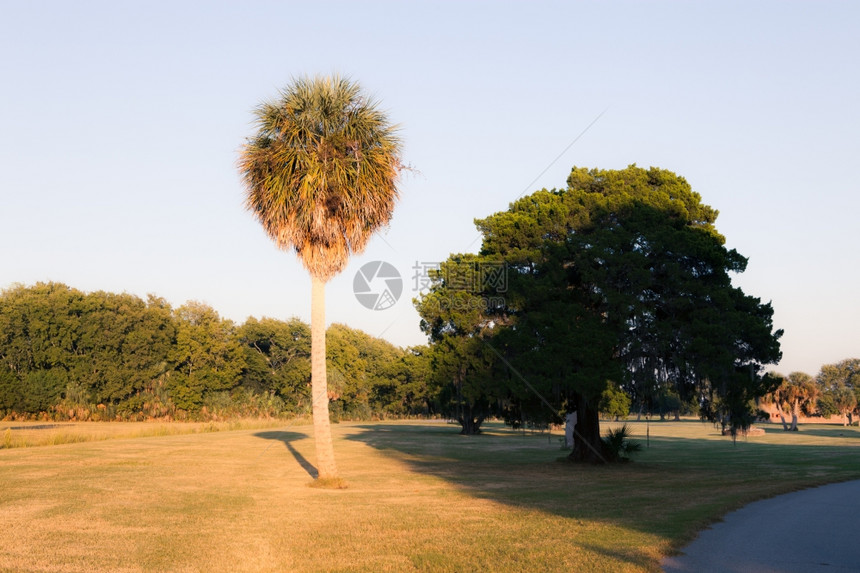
(470, 423)
(471, 426)
(587, 445)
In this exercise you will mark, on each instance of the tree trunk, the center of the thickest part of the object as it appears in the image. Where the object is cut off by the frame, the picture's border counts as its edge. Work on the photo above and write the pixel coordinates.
(470, 423)
(470, 426)
(587, 445)
(794, 414)
(781, 413)
(319, 388)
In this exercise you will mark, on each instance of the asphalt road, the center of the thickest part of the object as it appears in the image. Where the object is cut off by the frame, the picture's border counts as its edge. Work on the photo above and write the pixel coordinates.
(802, 532)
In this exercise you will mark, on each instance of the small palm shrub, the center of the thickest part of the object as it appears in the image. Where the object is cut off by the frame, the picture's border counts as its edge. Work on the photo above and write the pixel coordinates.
(618, 443)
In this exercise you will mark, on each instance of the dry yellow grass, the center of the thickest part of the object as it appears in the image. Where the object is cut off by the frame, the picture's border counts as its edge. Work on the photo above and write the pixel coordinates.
(420, 498)
(36, 434)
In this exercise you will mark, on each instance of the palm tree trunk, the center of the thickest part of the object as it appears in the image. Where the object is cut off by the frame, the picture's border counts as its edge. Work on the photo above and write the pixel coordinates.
(781, 413)
(795, 412)
(319, 388)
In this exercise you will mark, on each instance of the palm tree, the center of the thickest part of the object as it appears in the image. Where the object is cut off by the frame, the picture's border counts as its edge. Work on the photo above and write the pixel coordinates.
(321, 176)
(797, 393)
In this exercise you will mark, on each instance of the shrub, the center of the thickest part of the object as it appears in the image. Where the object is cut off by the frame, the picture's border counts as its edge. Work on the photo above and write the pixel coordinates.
(618, 444)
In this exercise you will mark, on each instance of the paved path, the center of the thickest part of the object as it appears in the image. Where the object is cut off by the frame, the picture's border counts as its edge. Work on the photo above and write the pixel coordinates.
(803, 532)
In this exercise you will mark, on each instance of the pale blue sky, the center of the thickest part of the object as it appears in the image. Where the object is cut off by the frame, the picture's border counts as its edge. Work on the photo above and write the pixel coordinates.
(120, 124)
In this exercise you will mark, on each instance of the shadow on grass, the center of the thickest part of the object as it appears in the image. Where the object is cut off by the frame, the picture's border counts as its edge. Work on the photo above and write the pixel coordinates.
(674, 488)
(288, 438)
(37, 427)
(835, 432)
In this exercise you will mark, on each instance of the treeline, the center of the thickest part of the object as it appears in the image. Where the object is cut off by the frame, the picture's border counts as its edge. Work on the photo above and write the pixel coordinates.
(70, 355)
(834, 391)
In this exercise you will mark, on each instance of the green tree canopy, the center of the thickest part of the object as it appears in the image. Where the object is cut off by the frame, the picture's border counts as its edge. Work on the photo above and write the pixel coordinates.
(58, 342)
(840, 387)
(278, 359)
(207, 355)
(620, 276)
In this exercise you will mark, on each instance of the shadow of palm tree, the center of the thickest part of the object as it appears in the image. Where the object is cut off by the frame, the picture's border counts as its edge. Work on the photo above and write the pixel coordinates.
(288, 438)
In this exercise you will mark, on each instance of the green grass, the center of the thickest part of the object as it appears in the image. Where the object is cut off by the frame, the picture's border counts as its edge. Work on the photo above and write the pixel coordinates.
(420, 498)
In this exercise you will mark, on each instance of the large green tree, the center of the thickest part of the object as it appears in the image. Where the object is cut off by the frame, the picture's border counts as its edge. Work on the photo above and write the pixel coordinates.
(321, 177)
(621, 277)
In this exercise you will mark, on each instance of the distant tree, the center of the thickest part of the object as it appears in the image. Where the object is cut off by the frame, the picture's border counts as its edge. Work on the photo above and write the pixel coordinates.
(42, 389)
(364, 366)
(453, 315)
(320, 176)
(39, 335)
(278, 359)
(840, 387)
(798, 394)
(669, 403)
(63, 346)
(410, 391)
(614, 402)
(123, 343)
(207, 356)
(826, 405)
(10, 390)
(845, 400)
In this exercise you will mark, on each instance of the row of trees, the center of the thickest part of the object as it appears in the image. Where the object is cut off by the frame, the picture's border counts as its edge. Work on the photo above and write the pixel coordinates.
(618, 284)
(70, 354)
(835, 391)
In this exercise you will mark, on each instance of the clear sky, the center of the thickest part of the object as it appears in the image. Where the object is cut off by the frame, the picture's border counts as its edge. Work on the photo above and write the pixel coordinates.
(120, 124)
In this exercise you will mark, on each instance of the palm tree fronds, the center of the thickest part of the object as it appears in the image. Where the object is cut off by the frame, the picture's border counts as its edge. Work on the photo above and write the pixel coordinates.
(321, 173)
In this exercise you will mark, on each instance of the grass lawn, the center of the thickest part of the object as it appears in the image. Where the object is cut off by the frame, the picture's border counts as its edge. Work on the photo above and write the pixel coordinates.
(420, 497)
